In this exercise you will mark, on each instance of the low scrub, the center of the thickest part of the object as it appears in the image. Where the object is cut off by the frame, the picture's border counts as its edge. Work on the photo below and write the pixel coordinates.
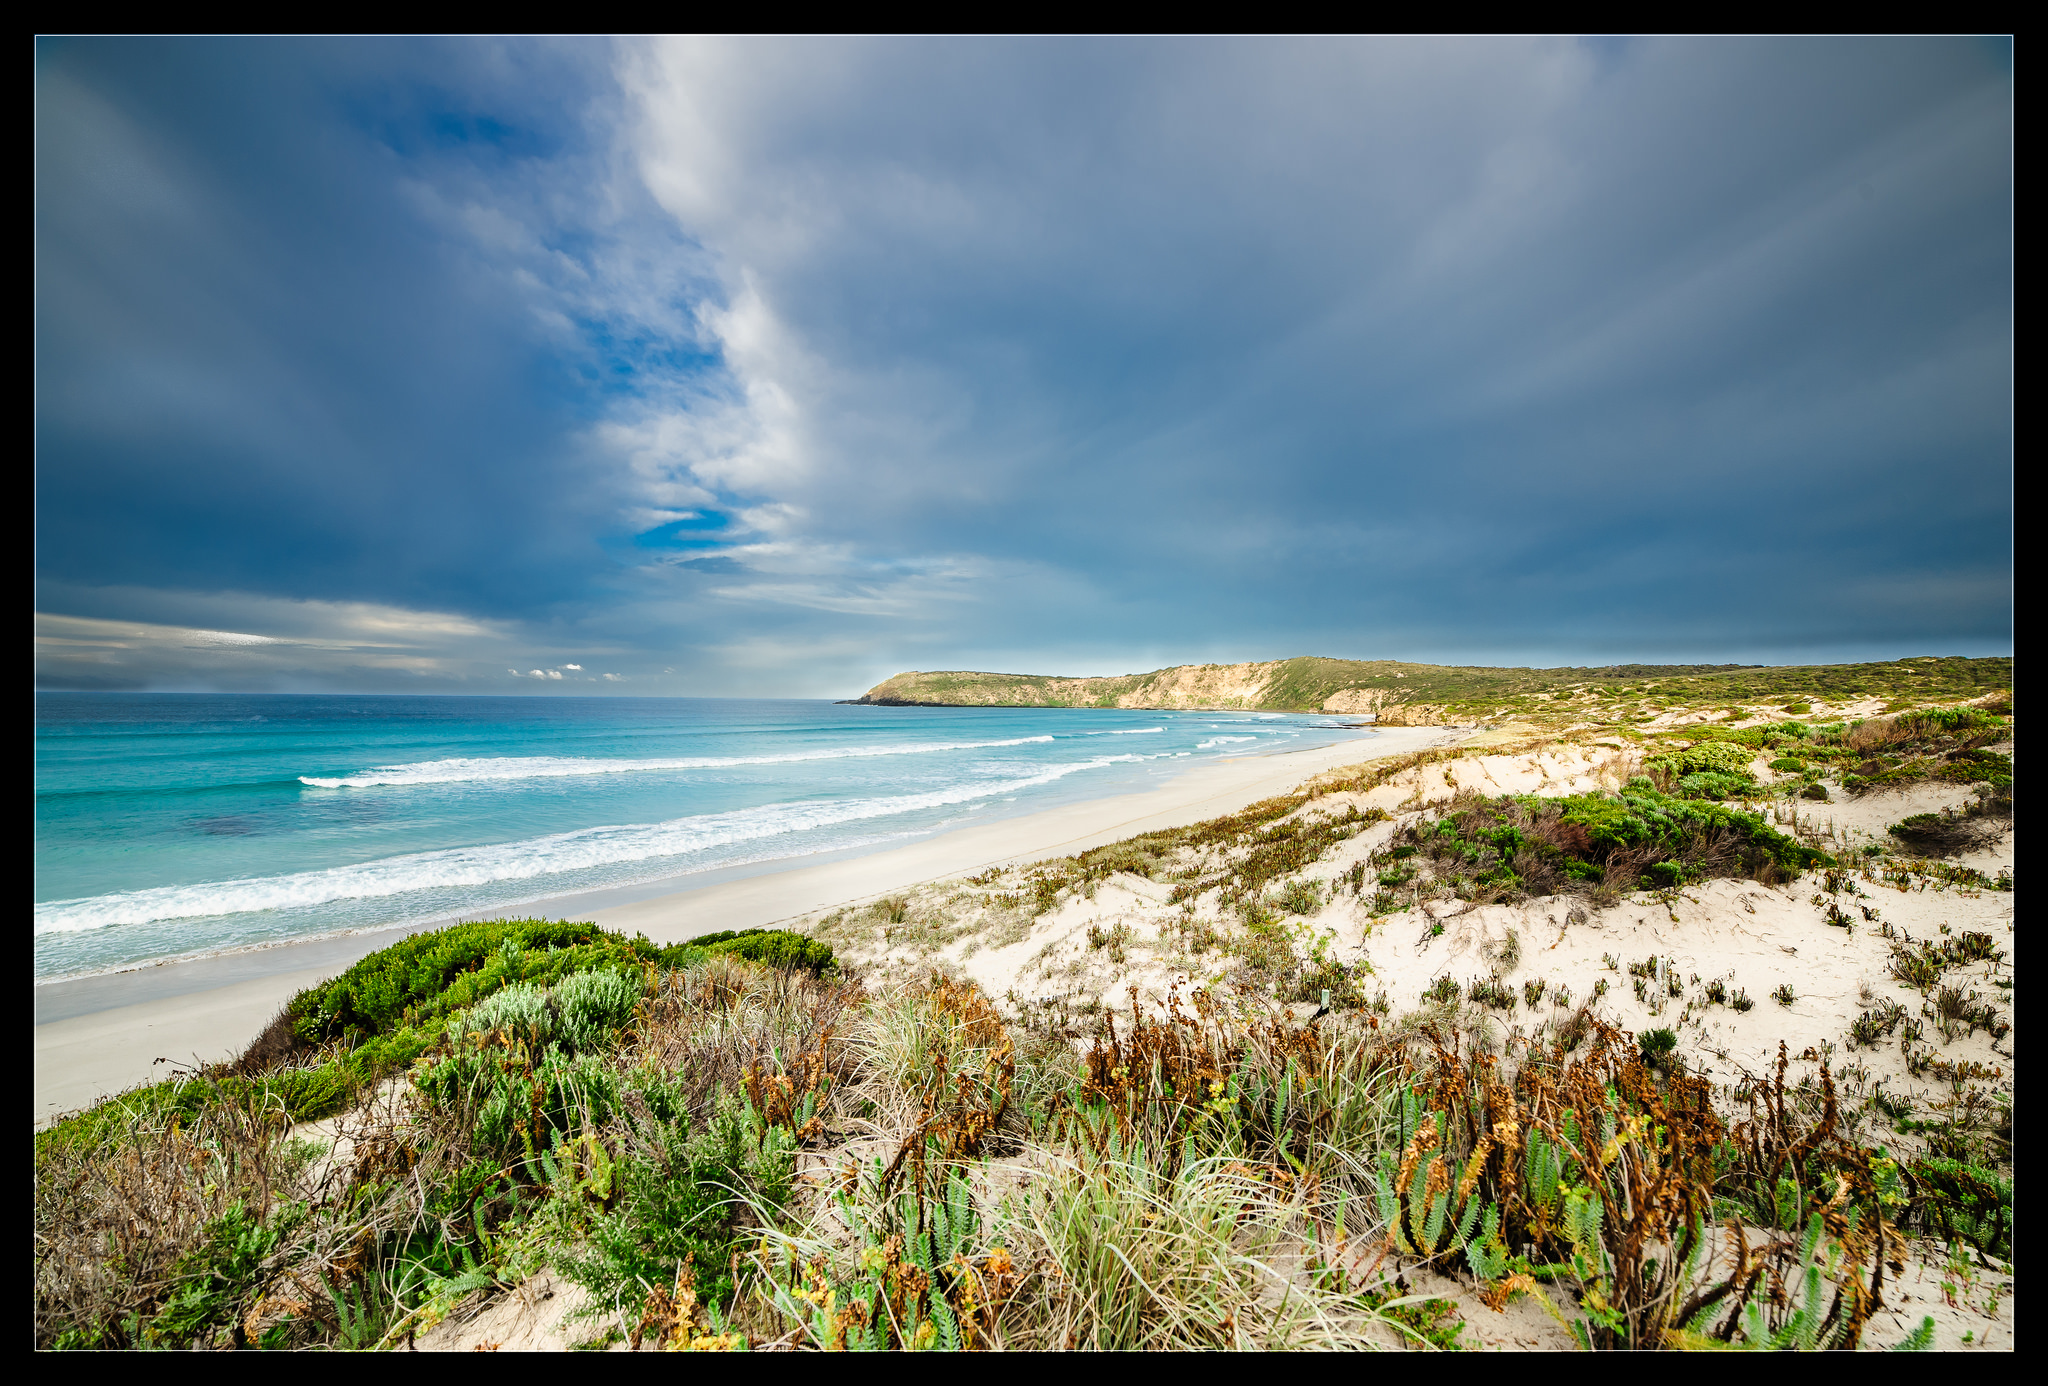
(1201, 1177)
(1513, 847)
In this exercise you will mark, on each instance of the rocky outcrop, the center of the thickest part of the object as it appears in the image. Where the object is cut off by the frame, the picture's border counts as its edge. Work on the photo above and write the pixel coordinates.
(1415, 715)
(1206, 687)
(1190, 687)
(1359, 701)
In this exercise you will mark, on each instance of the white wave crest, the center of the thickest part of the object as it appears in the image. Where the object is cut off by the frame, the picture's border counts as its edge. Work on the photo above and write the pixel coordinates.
(1221, 741)
(510, 861)
(462, 771)
(1132, 731)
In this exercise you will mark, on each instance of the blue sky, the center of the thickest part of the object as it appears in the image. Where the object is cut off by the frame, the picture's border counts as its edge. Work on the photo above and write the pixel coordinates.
(778, 366)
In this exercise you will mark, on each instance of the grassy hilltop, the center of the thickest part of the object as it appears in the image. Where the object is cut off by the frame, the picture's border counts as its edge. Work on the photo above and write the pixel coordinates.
(1427, 693)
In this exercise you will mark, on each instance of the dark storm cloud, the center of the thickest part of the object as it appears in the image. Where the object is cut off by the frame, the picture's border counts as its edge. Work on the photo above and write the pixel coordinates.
(1701, 344)
(789, 364)
(277, 349)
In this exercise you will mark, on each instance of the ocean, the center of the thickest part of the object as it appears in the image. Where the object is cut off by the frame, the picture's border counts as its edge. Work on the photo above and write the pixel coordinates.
(172, 825)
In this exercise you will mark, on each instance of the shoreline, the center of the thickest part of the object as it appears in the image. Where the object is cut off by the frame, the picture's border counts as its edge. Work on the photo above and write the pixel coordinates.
(241, 961)
(207, 1008)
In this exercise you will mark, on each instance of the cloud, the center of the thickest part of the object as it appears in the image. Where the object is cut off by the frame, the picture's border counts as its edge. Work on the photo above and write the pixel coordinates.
(791, 363)
(297, 646)
(1232, 331)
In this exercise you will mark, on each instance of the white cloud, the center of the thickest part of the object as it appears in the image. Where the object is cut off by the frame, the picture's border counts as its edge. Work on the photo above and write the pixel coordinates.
(231, 640)
(229, 637)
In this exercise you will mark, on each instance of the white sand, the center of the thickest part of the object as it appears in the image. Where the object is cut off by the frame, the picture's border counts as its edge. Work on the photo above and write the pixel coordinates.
(1747, 936)
(80, 1059)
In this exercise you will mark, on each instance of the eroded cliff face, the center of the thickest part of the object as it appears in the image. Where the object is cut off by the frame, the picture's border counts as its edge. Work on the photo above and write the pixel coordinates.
(1205, 687)
(1186, 687)
(1384, 704)
(1198, 687)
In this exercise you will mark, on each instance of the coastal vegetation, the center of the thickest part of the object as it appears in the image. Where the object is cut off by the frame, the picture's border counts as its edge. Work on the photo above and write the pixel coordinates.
(727, 1153)
(1194, 1116)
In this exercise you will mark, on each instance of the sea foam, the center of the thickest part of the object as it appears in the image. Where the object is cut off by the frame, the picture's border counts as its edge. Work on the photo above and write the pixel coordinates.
(553, 854)
(461, 771)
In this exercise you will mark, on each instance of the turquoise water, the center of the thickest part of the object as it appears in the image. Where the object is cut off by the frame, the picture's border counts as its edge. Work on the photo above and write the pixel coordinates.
(169, 825)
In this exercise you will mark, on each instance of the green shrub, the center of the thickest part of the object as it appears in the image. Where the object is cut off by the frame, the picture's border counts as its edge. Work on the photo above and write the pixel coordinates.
(581, 1012)
(676, 1201)
(1789, 763)
(431, 975)
(521, 1008)
(1657, 1047)
(443, 970)
(1955, 1199)
(594, 1005)
(1713, 785)
(774, 947)
(1947, 721)
(1935, 834)
(1532, 845)
(1976, 767)
(513, 1100)
(1641, 817)
(300, 1094)
(214, 1276)
(1720, 757)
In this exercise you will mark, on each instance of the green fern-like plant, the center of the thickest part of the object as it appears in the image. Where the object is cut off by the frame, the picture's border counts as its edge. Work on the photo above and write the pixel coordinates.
(1487, 1254)
(1419, 1224)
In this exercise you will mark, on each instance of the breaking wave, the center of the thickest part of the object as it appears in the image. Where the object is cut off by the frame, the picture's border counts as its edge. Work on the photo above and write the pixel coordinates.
(511, 861)
(462, 771)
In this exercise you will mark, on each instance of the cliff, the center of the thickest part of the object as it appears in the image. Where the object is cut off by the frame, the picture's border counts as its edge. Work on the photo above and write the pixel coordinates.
(1376, 688)
(1398, 693)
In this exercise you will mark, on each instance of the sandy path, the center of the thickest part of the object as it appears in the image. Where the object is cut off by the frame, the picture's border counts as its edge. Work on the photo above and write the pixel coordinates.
(81, 1058)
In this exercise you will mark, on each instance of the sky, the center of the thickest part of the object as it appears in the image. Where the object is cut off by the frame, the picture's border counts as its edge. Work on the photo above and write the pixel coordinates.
(774, 367)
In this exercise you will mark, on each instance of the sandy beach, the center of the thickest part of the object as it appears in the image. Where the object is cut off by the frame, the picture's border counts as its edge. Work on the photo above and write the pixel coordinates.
(98, 1035)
